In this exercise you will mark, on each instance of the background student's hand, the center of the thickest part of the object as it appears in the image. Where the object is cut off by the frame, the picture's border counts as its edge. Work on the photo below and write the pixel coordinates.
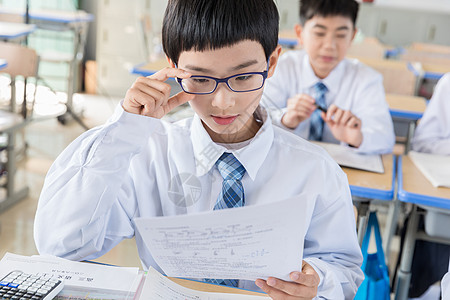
(299, 108)
(149, 96)
(304, 285)
(344, 125)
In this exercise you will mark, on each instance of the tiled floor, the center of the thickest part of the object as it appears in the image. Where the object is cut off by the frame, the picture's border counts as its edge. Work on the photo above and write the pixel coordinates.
(46, 139)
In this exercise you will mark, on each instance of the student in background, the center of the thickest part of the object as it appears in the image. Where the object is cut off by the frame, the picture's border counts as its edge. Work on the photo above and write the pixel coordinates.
(430, 260)
(433, 132)
(220, 52)
(319, 78)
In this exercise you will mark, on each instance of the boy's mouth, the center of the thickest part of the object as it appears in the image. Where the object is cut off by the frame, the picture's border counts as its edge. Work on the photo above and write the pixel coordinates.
(327, 58)
(224, 120)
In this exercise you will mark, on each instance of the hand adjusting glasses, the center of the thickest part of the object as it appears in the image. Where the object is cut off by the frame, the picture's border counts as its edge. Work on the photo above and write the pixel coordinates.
(239, 83)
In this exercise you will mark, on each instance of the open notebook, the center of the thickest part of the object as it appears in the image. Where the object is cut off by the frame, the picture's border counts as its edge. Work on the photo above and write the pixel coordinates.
(157, 287)
(436, 168)
(347, 157)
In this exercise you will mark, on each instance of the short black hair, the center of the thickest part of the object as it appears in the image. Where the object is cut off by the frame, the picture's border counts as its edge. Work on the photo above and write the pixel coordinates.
(325, 8)
(213, 24)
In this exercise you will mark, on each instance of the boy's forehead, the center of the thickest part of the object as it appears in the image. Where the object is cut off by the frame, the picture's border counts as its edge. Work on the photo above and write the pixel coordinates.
(336, 22)
(230, 58)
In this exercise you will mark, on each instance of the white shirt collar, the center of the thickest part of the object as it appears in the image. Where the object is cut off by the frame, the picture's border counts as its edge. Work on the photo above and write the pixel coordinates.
(332, 81)
(252, 156)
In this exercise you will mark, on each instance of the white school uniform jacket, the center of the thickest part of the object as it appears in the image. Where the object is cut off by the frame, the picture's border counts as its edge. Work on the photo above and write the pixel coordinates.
(122, 170)
(351, 86)
(433, 132)
(445, 285)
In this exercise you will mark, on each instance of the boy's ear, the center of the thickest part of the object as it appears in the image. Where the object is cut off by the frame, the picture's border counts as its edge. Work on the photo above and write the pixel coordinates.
(298, 32)
(171, 63)
(273, 60)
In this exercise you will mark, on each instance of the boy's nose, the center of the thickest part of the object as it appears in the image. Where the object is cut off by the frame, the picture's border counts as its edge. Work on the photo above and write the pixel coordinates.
(223, 97)
(330, 42)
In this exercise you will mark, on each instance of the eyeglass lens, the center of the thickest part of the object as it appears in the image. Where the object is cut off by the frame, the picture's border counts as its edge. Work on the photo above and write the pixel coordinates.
(238, 83)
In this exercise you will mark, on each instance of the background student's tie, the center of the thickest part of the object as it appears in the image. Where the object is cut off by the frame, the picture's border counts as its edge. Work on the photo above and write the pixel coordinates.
(316, 121)
(232, 195)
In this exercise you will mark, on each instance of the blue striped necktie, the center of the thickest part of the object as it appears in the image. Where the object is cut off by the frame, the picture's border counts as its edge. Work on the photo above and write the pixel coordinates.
(232, 195)
(316, 121)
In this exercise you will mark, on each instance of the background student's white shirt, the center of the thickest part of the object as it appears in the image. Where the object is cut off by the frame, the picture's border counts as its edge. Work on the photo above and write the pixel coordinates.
(351, 86)
(124, 169)
(445, 285)
(433, 132)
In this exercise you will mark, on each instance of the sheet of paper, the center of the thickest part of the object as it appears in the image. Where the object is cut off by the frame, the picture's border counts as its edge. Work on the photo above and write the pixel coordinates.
(436, 168)
(80, 279)
(240, 243)
(347, 157)
(157, 287)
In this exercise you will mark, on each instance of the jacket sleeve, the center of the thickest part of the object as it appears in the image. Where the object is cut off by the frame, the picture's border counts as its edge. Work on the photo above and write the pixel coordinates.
(331, 245)
(372, 109)
(88, 200)
(433, 132)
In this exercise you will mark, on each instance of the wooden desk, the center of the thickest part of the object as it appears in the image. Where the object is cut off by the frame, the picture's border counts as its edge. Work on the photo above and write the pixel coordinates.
(287, 38)
(212, 288)
(11, 31)
(431, 48)
(373, 185)
(398, 78)
(369, 185)
(413, 187)
(407, 107)
(435, 71)
(58, 20)
(430, 70)
(49, 15)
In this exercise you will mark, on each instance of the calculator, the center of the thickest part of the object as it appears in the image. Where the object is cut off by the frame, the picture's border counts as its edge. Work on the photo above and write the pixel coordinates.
(18, 285)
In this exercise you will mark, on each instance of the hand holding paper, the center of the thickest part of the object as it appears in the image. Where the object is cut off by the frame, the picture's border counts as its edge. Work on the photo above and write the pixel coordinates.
(240, 243)
(304, 285)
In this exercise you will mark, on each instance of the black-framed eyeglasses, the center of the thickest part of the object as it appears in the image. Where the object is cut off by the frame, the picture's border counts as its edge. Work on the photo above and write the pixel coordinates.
(239, 83)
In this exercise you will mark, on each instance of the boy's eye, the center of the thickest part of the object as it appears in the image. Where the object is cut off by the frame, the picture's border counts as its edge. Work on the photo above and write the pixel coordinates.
(200, 80)
(320, 34)
(243, 77)
(341, 36)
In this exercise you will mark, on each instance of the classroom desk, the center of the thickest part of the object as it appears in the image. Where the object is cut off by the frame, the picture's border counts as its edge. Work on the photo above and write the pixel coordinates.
(429, 71)
(288, 38)
(372, 185)
(48, 15)
(76, 22)
(58, 20)
(212, 288)
(12, 31)
(406, 109)
(369, 185)
(414, 188)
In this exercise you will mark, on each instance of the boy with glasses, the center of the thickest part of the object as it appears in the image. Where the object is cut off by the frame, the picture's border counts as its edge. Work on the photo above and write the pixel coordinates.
(220, 52)
(319, 94)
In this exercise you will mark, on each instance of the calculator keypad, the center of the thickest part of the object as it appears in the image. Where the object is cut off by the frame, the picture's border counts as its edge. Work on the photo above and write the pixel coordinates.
(21, 286)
